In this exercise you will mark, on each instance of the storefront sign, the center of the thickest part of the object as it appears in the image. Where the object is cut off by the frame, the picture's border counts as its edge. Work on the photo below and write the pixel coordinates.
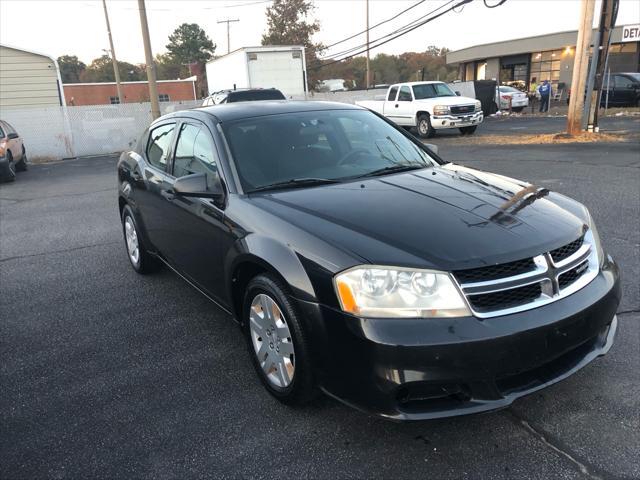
(631, 33)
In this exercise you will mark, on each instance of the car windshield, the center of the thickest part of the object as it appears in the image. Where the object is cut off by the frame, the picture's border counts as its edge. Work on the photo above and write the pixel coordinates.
(253, 95)
(432, 90)
(509, 90)
(635, 76)
(331, 145)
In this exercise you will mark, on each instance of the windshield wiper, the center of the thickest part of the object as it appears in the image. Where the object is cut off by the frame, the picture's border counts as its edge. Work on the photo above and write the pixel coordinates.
(294, 182)
(393, 169)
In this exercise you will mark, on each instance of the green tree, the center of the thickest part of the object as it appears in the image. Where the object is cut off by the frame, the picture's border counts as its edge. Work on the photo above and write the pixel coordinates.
(70, 68)
(288, 23)
(190, 44)
(101, 70)
(168, 69)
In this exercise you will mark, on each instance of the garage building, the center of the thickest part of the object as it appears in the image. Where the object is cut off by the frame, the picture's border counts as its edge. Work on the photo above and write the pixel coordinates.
(28, 79)
(525, 62)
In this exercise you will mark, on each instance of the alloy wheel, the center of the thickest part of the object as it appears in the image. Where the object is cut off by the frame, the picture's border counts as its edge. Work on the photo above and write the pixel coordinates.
(131, 236)
(272, 341)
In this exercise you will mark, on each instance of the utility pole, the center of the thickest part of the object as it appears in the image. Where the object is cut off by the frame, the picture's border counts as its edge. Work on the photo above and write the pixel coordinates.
(580, 65)
(151, 66)
(228, 21)
(608, 14)
(116, 72)
(368, 82)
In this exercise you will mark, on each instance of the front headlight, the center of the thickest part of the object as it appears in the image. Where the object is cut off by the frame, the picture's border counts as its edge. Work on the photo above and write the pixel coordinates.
(394, 292)
(592, 237)
(441, 110)
(478, 105)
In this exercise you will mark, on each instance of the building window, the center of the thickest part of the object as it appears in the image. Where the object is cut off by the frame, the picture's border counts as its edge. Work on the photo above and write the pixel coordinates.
(163, 97)
(545, 66)
(114, 100)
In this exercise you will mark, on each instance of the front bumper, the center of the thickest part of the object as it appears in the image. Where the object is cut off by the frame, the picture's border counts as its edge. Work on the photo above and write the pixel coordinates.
(440, 122)
(416, 369)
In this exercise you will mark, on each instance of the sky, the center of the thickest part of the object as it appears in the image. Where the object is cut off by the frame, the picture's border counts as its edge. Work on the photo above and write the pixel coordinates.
(77, 27)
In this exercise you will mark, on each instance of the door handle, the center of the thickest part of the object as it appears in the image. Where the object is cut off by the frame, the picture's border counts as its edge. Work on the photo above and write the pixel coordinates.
(168, 194)
(396, 105)
(136, 176)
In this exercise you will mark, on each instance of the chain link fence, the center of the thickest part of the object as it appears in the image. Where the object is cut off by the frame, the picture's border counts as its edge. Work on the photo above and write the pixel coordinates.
(52, 133)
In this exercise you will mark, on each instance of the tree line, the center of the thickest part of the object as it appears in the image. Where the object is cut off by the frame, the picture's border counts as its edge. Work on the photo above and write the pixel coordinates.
(288, 23)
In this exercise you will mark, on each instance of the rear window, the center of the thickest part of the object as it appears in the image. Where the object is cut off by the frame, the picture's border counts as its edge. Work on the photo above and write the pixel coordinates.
(253, 95)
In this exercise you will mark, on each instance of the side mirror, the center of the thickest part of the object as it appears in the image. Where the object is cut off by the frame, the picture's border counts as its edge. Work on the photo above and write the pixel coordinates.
(432, 147)
(201, 185)
(13, 135)
(457, 93)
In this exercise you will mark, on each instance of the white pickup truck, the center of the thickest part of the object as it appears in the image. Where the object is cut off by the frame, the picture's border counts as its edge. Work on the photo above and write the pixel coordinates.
(429, 106)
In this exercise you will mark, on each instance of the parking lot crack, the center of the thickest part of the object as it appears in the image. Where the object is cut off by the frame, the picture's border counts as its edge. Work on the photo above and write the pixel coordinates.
(557, 446)
(18, 257)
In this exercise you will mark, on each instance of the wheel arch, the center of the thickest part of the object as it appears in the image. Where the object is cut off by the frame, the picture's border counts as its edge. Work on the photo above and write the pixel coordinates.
(255, 255)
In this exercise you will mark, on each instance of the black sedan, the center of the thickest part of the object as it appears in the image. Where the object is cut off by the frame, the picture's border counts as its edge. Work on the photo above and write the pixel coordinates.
(360, 264)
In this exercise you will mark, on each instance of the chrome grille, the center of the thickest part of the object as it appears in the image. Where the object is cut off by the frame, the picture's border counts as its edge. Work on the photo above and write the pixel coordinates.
(495, 271)
(569, 249)
(455, 110)
(567, 278)
(506, 298)
(529, 283)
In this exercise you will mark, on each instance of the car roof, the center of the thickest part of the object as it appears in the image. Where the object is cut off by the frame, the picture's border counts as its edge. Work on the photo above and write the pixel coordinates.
(226, 112)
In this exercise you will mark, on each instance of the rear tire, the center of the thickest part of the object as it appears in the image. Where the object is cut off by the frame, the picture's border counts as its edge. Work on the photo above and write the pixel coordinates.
(9, 173)
(468, 130)
(277, 341)
(141, 260)
(22, 165)
(425, 130)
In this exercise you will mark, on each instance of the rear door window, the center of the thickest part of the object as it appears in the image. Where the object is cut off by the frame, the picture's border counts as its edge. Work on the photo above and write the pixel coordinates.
(405, 94)
(392, 94)
(159, 145)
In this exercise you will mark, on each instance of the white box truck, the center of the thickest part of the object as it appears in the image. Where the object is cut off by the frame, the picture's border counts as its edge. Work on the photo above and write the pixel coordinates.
(281, 67)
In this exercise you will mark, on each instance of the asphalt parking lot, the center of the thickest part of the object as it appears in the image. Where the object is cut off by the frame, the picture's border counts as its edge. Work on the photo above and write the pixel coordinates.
(106, 373)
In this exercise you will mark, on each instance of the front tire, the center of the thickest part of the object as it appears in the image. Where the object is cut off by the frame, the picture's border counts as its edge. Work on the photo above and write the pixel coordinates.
(425, 130)
(22, 165)
(277, 341)
(141, 260)
(468, 130)
(9, 173)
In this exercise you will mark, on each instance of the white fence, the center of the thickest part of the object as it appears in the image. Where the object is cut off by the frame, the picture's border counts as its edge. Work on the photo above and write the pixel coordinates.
(63, 132)
(53, 133)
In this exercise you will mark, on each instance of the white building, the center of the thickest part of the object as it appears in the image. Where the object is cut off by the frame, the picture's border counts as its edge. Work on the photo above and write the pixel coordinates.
(29, 79)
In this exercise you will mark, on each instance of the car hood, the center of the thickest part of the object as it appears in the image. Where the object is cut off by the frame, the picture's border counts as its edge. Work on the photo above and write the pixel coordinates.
(449, 101)
(448, 217)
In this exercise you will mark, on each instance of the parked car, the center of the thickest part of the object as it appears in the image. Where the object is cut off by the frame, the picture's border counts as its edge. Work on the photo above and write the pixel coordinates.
(243, 95)
(429, 106)
(621, 90)
(359, 263)
(511, 97)
(13, 156)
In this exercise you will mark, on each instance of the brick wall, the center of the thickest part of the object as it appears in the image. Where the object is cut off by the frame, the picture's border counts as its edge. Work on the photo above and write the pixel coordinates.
(134, 92)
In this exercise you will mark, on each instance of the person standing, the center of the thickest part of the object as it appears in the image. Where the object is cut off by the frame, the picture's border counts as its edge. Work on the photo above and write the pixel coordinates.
(544, 89)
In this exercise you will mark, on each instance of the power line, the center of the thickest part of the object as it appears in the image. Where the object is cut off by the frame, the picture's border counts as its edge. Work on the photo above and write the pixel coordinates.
(404, 29)
(377, 24)
(424, 22)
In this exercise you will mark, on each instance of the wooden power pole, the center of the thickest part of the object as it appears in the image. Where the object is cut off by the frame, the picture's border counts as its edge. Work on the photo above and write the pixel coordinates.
(228, 21)
(116, 71)
(368, 82)
(151, 66)
(580, 68)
